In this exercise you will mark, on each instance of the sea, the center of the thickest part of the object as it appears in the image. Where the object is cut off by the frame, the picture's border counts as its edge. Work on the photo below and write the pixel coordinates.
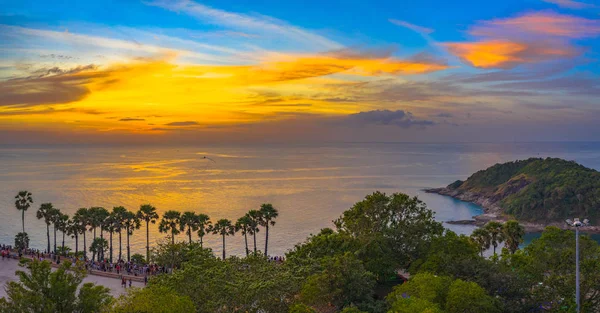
(310, 185)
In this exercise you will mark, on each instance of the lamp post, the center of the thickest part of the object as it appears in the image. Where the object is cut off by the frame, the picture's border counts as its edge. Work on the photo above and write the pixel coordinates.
(577, 224)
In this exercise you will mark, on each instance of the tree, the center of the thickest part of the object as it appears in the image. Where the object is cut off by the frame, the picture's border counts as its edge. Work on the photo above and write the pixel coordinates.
(82, 218)
(21, 241)
(268, 214)
(224, 228)
(170, 223)
(189, 220)
(98, 216)
(130, 222)
(426, 286)
(74, 229)
(468, 297)
(22, 203)
(46, 212)
(110, 225)
(394, 230)
(513, 234)
(56, 220)
(147, 213)
(254, 216)
(40, 289)
(63, 225)
(301, 308)
(414, 305)
(153, 299)
(243, 225)
(496, 233)
(98, 247)
(138, 259)
(204, 226)
(341, 281)
(482, 237)
(119, 214)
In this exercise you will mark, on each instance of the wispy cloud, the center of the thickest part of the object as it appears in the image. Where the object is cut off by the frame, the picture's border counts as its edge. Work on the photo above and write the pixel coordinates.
(243, 22)
(184, 123)
(416, 28)
(570, 4)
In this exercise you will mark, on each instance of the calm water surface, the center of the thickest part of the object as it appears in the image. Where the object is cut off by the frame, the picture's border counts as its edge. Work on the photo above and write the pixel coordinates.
(310, 185)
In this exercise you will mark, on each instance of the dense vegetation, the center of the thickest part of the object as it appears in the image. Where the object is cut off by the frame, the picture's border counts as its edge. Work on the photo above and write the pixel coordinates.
(535, 189)
(352, 268)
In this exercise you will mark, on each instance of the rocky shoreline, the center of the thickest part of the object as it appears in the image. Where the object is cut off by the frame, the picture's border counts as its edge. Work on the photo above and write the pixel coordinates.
(493, 212)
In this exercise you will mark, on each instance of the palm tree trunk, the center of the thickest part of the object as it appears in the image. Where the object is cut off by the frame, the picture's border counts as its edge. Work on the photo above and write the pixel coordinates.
(201, 246)
(223, 246)
(147, 241)
(267, 239)
(190, 233)
(111, 248)
(84, 246)
(23, 219)
(63, 244)
(120, 249)
(172, 237)
(101, 252)
(48, 235)
(76, 245)
(254, 236)
(54, 239)
(128, 248)
(246, 241)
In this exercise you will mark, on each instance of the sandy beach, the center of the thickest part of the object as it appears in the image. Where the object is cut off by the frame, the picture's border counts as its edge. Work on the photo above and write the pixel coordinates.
(8, 267)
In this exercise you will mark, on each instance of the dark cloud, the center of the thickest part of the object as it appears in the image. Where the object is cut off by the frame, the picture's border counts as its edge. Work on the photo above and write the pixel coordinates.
(131, 119)
(43, 72)
(48, 110)
(185, 123)
(398, 118)
(443, 115)
(574, 85)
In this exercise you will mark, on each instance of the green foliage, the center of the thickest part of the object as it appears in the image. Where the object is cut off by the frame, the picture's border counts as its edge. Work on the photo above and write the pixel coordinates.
(301, 308)
(234, 285)
(341, 281)
(468, 297)
(138, 259)
(351, 309)
(414, 305)
(541, 190)
(99, 246)
(513, 235)
(40, 289)
(153, 299)
(446, 253)
(21, 241)
(393, 231)
(425, 286)
(548, 267)
(176, 255)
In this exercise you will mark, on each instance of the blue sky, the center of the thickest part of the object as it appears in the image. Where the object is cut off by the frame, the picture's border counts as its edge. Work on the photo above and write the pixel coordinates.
(427, 70)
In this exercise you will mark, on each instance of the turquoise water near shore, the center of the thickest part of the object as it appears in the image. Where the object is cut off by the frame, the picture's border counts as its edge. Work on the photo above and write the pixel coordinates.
(310, 184)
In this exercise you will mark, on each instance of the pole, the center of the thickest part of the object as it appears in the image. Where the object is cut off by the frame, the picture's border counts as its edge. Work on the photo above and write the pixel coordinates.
(577, 268)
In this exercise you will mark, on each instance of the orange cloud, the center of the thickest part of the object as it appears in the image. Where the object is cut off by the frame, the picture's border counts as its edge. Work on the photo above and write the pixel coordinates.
(506, 54)
(528, 38)
(162, 95)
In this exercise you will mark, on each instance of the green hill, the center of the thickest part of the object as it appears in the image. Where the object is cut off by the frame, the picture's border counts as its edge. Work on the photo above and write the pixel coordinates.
(536, 190)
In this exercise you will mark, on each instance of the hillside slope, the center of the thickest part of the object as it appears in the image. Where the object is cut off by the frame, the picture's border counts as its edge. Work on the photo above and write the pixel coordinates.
(534, 190)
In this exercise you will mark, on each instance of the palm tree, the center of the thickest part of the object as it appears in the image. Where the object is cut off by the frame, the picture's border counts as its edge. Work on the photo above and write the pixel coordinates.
(268, 214)
(254, 216)
(496, 233)
(99, 245)
(148, 214)
(224, 228)
(99, 216)
(63, 224)
(118, 214)
(482, 238)
(74, 229)
(46, 212)
(23, 202)
(169, 223)
(82, 217)
(204, 226)
(189, 220)
(130, 222)
(109, 226)
(243, 225)
(56, 216)
(513, 235)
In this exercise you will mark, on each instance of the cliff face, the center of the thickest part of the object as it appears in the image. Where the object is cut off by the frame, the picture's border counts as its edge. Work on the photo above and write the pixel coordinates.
(533, 190)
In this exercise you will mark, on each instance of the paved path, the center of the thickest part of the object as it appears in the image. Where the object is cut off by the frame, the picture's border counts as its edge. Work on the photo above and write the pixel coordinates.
(8, 267)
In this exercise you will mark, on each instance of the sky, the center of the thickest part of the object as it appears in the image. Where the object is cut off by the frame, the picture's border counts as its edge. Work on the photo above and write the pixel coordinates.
(194, 72)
